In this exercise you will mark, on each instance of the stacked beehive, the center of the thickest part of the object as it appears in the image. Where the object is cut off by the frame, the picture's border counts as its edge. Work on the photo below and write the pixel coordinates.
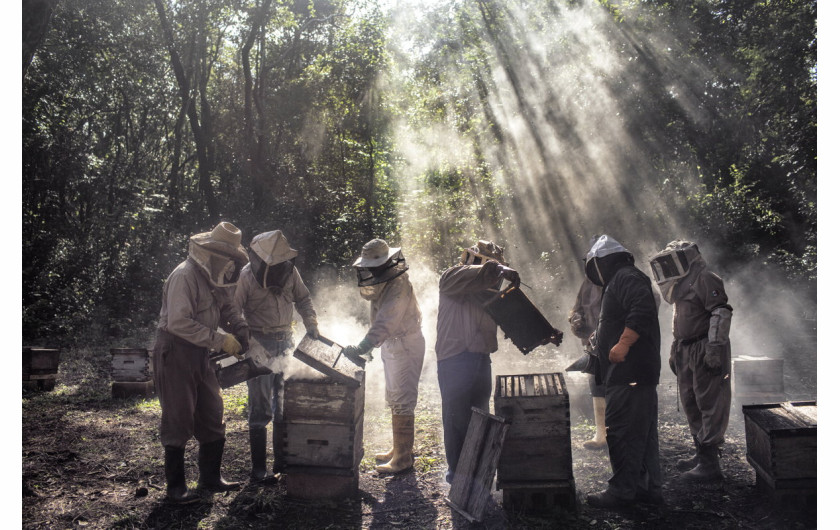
(322, 439)
(782, 447)
(535, 467)
(131, 372)
(758, 379)
(40, 367)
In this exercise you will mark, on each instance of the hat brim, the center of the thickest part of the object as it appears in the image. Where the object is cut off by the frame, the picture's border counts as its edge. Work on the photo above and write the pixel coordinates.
(237, 254)
(370, 263)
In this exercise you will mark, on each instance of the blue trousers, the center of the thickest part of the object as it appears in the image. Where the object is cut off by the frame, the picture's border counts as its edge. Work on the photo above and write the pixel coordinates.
(265, 393)
(465, 381)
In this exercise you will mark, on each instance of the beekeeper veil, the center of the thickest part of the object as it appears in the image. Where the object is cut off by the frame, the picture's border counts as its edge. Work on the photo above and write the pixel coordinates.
(672, 265)
(481, 252)
(272, 259)
(604, 258)
(378, 264)
(219, 253)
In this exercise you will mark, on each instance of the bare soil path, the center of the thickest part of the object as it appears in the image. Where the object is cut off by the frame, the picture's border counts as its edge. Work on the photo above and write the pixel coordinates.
(93, 462)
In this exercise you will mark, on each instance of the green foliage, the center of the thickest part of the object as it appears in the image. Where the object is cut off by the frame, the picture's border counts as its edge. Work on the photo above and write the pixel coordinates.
(475, 119)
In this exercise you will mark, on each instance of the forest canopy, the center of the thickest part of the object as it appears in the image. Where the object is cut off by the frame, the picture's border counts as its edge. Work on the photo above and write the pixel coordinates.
(535, 123)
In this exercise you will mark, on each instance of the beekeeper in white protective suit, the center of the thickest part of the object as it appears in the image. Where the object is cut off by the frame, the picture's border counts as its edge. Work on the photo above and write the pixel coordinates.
(700, 354)
(395, 327)
(268, 288)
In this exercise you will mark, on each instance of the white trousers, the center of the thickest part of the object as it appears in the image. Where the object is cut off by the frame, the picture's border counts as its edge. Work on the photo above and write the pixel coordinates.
(403, 361)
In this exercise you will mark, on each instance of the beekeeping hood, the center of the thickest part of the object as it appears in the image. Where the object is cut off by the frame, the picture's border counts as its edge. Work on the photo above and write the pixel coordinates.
(673, 264)
(379, 263)
(604, 258)
(219, 253)
(482, 251)
(272, 259)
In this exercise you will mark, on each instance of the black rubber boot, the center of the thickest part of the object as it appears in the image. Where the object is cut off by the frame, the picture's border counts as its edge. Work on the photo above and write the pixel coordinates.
(691, 462)
(707, 468)
(606, 500)
(277, 441)
(210, 468)
(176, 483)
(259, 474)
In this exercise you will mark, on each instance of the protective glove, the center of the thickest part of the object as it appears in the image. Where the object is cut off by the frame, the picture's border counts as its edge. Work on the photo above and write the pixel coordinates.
(231, 346)
(312, 331)
(360, 352)
(619, 352)
(510, 275)
(712, 358)
(576, 323)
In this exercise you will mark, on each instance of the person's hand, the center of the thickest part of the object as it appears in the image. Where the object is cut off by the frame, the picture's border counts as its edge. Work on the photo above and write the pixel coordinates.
(576, 322)
(712, 358)
(619, 352)
(361, 352)
(231, 346)
(312, 331)
(510, 275)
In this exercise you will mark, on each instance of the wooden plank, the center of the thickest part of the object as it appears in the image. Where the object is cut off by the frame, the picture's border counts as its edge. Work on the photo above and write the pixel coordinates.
(325, 356)
(477, 464)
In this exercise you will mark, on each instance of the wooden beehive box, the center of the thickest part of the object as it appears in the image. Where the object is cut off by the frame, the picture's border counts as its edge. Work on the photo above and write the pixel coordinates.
(40, 367)
(782, 446)
(519, 319)
(538, 445)
(758, 379)
(131, 364)
(324, 420)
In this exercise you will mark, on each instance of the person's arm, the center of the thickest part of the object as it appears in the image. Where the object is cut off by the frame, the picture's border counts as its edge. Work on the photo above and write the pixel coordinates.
(304, 305)
(709, 288)
(471, 279)
(181, 299)
(635, 295)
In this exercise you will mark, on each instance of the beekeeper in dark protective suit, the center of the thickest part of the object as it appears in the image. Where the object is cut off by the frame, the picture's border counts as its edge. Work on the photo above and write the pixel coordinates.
(267, 290)
(395, 321)
(627, 344)
(700, 353)
(466, 336)
(197, 299)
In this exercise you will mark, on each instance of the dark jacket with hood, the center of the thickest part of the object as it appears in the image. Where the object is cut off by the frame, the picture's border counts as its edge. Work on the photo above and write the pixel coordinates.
(627, 301)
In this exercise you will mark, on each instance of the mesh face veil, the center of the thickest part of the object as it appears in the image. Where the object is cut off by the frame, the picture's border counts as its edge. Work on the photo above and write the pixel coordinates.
(393, 267)
(482, 252)
(674, 262)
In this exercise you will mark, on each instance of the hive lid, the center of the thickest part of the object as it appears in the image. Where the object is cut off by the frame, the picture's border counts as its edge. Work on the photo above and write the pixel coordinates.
(520, 320)
(325, 356)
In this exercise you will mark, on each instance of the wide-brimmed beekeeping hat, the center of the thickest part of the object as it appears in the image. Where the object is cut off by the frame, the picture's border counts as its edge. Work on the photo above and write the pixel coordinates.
(224, 239)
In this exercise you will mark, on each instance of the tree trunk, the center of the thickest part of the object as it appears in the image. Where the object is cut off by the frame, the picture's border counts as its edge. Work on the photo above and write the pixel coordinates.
(199, 133)
(36, 20)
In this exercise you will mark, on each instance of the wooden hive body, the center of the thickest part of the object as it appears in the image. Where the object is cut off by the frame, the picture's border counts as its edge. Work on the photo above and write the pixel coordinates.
(40, 367)
(758, 379)
(538, 449)
(324, 423)
(782, 446)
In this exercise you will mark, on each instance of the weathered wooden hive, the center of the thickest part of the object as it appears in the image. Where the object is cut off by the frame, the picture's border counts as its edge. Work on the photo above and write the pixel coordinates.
(758, 379)
(40, 367)
(131, 372)
(324, 428)
(535, 467)
(782, 447)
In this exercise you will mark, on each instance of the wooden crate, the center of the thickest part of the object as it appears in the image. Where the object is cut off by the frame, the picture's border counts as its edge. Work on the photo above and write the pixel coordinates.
(782, 446)
(324, 423)
(477, 464)
(307, 482)
(538, 445)
(756, 379)
(131, 365)
(537, 497)
(40, 367)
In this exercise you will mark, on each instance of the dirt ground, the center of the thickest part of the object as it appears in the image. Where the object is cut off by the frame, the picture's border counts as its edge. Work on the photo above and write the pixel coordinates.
(94, 462)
